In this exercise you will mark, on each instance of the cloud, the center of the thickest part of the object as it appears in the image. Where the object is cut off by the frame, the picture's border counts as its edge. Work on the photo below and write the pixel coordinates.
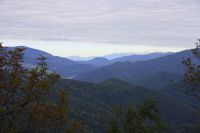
(141, 22)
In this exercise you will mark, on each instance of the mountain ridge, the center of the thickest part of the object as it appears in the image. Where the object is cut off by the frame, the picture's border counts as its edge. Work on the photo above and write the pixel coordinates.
(129, 71)
(63, 66)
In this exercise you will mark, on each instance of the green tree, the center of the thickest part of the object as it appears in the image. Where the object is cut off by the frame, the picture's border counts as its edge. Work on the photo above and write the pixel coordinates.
(192, 67)
(141, 119)
(25, 104)
(192, 73)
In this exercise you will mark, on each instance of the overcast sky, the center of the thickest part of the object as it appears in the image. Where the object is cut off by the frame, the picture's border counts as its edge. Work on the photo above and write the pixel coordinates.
(97, 27)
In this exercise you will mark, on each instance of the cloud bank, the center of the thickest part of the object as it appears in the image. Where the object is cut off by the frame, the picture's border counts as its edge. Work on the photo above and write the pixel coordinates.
(174, 23)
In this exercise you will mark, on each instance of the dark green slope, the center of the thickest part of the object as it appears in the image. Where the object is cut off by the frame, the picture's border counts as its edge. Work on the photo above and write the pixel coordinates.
(180, 91)
(129, 71)
(158, 80)
(92, 102)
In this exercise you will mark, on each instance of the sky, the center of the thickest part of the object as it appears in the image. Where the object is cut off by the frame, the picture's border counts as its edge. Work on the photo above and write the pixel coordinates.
(99, 27)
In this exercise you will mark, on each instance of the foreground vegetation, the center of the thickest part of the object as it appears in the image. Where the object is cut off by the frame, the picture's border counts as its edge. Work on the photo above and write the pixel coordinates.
(24, 97)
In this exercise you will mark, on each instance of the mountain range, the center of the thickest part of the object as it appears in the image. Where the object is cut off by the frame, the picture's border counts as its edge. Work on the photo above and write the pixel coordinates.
(134, 71)
(109, 57)
(68, 68)
(97, 84)
(153, 71)
(103, 61)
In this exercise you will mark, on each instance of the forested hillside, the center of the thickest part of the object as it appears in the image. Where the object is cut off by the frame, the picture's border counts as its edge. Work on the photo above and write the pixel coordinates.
(92, 102)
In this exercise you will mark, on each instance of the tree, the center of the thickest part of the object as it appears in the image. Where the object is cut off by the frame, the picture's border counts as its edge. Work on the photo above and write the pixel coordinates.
(192, 73)
(25, 104)
(141, 119)
(192, 67)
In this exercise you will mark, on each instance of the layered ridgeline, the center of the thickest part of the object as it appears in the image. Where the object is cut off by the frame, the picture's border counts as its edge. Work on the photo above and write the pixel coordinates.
(153, 73)
(92, 103)
(157, 73)
(69, 69)
(103, 61)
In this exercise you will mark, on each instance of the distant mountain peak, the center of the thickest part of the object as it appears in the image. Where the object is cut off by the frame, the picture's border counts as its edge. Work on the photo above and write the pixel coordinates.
(100, 59)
